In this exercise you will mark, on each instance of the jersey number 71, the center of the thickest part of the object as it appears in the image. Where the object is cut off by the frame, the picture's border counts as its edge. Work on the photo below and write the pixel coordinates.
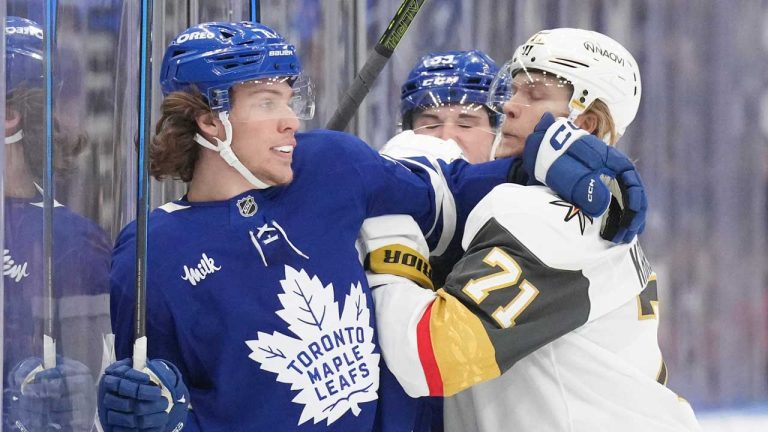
(507, 277)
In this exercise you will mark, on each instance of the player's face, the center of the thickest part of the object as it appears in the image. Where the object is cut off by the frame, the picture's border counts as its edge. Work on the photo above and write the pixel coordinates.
(534, 94)
(468, 125)
(263, 128)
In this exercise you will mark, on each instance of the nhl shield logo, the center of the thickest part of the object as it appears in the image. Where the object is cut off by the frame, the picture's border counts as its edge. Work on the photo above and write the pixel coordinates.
(247, 206)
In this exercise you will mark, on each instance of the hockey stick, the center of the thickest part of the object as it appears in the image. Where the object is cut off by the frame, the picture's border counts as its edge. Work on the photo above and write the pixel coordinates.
(375, 63)
(255, 11)
(49, 38)
(142, 187)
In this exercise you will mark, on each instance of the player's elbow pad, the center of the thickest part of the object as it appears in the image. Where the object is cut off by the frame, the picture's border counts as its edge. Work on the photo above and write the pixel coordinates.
(394, 245)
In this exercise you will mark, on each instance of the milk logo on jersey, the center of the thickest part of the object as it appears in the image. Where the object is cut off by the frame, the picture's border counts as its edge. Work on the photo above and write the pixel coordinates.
(247, 206)
(574, 212)
(15, 271)
(330, 361)
(196, 274)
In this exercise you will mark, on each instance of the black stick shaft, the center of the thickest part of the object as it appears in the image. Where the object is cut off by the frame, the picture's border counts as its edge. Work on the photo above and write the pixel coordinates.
(255, 11)
(49, 38)
(142, 190)
(375, 63)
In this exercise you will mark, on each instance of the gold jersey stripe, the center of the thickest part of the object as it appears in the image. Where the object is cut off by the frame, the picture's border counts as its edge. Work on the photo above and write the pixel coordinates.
(462, 347)
(400, 260)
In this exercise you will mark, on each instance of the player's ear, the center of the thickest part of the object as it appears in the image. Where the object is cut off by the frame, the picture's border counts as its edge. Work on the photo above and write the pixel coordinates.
(12, 120)
(209, 125)
(588, 121)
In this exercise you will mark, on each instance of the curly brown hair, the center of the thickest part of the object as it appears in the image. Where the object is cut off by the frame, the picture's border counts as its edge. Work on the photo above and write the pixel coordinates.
(28, 103)
(173, 151)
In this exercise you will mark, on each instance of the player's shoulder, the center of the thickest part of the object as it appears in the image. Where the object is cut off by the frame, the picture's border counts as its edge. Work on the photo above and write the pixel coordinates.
(163, 221)
(77, 225)
(330, 156)
(331, 145)
(536, 217)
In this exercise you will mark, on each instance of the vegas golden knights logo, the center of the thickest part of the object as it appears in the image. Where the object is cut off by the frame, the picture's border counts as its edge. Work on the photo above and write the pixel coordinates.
(247, 206)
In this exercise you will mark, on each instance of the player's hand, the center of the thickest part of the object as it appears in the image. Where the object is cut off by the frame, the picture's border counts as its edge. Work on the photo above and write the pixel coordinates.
(62, 398)
(578, 166)
(152, 400)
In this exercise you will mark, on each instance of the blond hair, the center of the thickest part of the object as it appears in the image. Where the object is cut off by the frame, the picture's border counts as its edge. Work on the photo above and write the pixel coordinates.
(606, 127)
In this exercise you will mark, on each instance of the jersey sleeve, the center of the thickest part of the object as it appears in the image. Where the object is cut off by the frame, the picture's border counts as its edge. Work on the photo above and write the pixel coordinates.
(438, 195)
(527, 277)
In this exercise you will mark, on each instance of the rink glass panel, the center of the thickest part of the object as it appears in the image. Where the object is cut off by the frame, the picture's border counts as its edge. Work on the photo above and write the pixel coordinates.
(80, 243)
(699, 140)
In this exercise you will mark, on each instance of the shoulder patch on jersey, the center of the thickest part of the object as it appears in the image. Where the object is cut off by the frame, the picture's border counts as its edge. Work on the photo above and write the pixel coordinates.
(172, 207)
(574, 212)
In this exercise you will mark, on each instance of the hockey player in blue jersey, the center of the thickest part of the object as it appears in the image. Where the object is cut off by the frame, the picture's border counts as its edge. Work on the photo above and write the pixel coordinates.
(445, 96)
(257, 303)
(60, 397)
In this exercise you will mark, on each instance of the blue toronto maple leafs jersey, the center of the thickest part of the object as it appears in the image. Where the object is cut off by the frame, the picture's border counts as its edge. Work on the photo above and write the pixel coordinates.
(80, 284)
(261, 300)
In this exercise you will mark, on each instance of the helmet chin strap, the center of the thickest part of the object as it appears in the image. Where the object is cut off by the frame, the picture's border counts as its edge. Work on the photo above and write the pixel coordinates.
(15, 137)
(496, 144)
(225, 151)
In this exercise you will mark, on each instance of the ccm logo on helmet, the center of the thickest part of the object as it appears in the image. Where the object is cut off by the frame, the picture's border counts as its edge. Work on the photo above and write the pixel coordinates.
(440, 81)
(194, 36)
(29, 30)
(589, 46)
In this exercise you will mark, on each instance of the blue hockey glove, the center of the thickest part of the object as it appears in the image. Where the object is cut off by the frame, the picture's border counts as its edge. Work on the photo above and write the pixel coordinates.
(153, 400)
(62, 398)
(577, 165)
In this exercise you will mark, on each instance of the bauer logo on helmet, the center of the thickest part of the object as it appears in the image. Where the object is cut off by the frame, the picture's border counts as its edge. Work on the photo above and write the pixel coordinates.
(286, 52)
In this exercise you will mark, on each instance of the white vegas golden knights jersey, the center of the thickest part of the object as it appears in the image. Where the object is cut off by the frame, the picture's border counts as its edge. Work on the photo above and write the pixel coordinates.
(606, 375)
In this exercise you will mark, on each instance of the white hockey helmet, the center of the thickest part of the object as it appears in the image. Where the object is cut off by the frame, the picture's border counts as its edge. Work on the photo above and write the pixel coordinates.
(597, 66)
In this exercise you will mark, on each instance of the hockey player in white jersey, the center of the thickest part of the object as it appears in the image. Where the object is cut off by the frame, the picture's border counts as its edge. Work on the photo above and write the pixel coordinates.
(256, 300)
(542, 325)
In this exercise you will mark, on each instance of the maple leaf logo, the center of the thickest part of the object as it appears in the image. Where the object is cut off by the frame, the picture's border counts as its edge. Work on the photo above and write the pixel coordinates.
(331, 363)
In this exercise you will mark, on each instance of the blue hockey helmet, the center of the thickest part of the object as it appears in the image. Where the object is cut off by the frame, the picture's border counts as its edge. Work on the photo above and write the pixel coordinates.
(23, 54)
(213, 57)
(448, 78)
